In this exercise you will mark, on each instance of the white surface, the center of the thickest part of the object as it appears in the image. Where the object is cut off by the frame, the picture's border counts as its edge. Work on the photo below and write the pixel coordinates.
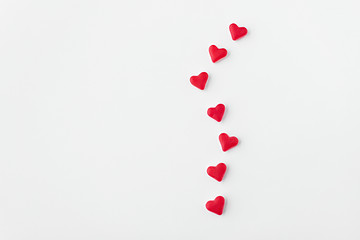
(103, 137)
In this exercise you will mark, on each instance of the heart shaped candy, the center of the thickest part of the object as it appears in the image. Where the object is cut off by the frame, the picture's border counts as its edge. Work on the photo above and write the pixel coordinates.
(237, 32)
(217, 112)
(216, 206)
(217, 53)
(217, 172)
(200, 80)
(227, 142)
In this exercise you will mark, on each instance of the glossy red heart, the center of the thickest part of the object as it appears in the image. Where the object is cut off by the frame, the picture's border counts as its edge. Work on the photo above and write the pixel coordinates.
(217, 172)
(200, 80)
(237, 32)
(216, 206)
(227, 142)
(217, 53)
(217, 112)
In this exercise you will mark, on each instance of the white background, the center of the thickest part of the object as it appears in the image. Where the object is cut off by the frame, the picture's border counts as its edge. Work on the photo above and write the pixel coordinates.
(103, 137)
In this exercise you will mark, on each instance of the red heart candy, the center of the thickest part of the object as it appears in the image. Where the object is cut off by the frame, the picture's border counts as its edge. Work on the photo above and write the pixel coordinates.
(217, 112)
(200, 80)
(217, 172)
(227, 142)
(216, 206)
(237, 32)
(217, 53)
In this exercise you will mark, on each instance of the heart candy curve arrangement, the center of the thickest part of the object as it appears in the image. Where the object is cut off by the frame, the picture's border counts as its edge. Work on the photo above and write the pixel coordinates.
(217, 172)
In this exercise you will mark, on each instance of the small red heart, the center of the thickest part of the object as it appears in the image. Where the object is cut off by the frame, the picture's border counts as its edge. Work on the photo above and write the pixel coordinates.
(237, 32)
(200, 80)
(216, 206)
(217, 53)
(227, 142)
(217, 172)
(217, 112)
